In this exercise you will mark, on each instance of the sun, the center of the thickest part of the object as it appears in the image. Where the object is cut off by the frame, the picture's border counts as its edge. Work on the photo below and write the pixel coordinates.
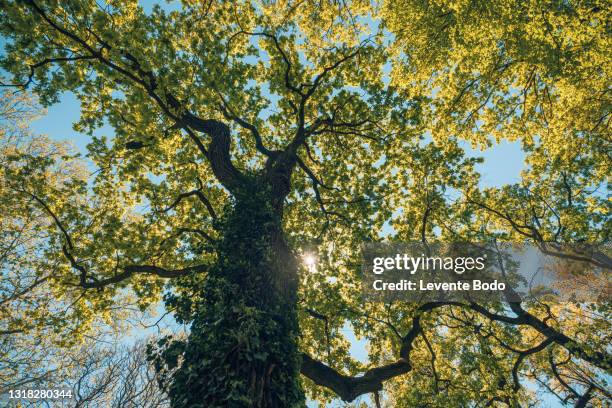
(310, 261)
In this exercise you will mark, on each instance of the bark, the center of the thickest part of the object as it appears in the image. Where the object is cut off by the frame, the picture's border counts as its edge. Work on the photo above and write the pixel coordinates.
(242, 349)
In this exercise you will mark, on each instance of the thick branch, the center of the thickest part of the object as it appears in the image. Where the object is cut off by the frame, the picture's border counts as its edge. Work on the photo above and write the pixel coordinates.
(524, 354)
(88, 281)
(600, 359)
(130, 270)
(349, 388)
(585, 398)
(218, 153)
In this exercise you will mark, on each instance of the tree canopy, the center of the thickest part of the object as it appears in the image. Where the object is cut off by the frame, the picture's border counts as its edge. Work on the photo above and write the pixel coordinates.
(351, 121)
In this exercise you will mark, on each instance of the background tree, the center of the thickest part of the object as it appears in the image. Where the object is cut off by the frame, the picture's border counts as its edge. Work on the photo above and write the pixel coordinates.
(55, 335)
(116, 377)
(250, 133)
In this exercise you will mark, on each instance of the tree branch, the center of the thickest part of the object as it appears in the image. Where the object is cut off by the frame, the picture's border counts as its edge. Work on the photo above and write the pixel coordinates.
(88, 281)
(218, 155)
(197, 193)
(288, 83)
(315, 186)
(229, 114)
(130, 270)
(524, 354)
(45, 62)
(349, 388)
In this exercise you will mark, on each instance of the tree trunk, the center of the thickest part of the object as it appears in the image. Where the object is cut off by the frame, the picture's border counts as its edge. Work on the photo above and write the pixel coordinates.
(242, 349)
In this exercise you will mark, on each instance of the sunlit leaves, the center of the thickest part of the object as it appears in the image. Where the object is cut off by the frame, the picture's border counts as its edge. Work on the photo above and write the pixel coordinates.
(396, 90)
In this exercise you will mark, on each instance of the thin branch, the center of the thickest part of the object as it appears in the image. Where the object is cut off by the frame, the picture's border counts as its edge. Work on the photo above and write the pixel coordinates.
(524, 354)
(315, 186)
(201, 197)
(231, 115)
(45, 62)
(88, 281)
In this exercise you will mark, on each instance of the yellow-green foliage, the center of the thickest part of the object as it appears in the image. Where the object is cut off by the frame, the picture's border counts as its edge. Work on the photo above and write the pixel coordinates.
(397, 89)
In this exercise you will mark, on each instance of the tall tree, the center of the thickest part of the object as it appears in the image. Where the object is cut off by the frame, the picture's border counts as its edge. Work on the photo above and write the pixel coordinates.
(250, 134)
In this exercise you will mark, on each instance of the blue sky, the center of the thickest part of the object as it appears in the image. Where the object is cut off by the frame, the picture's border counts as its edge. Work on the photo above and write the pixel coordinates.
(502, 164)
